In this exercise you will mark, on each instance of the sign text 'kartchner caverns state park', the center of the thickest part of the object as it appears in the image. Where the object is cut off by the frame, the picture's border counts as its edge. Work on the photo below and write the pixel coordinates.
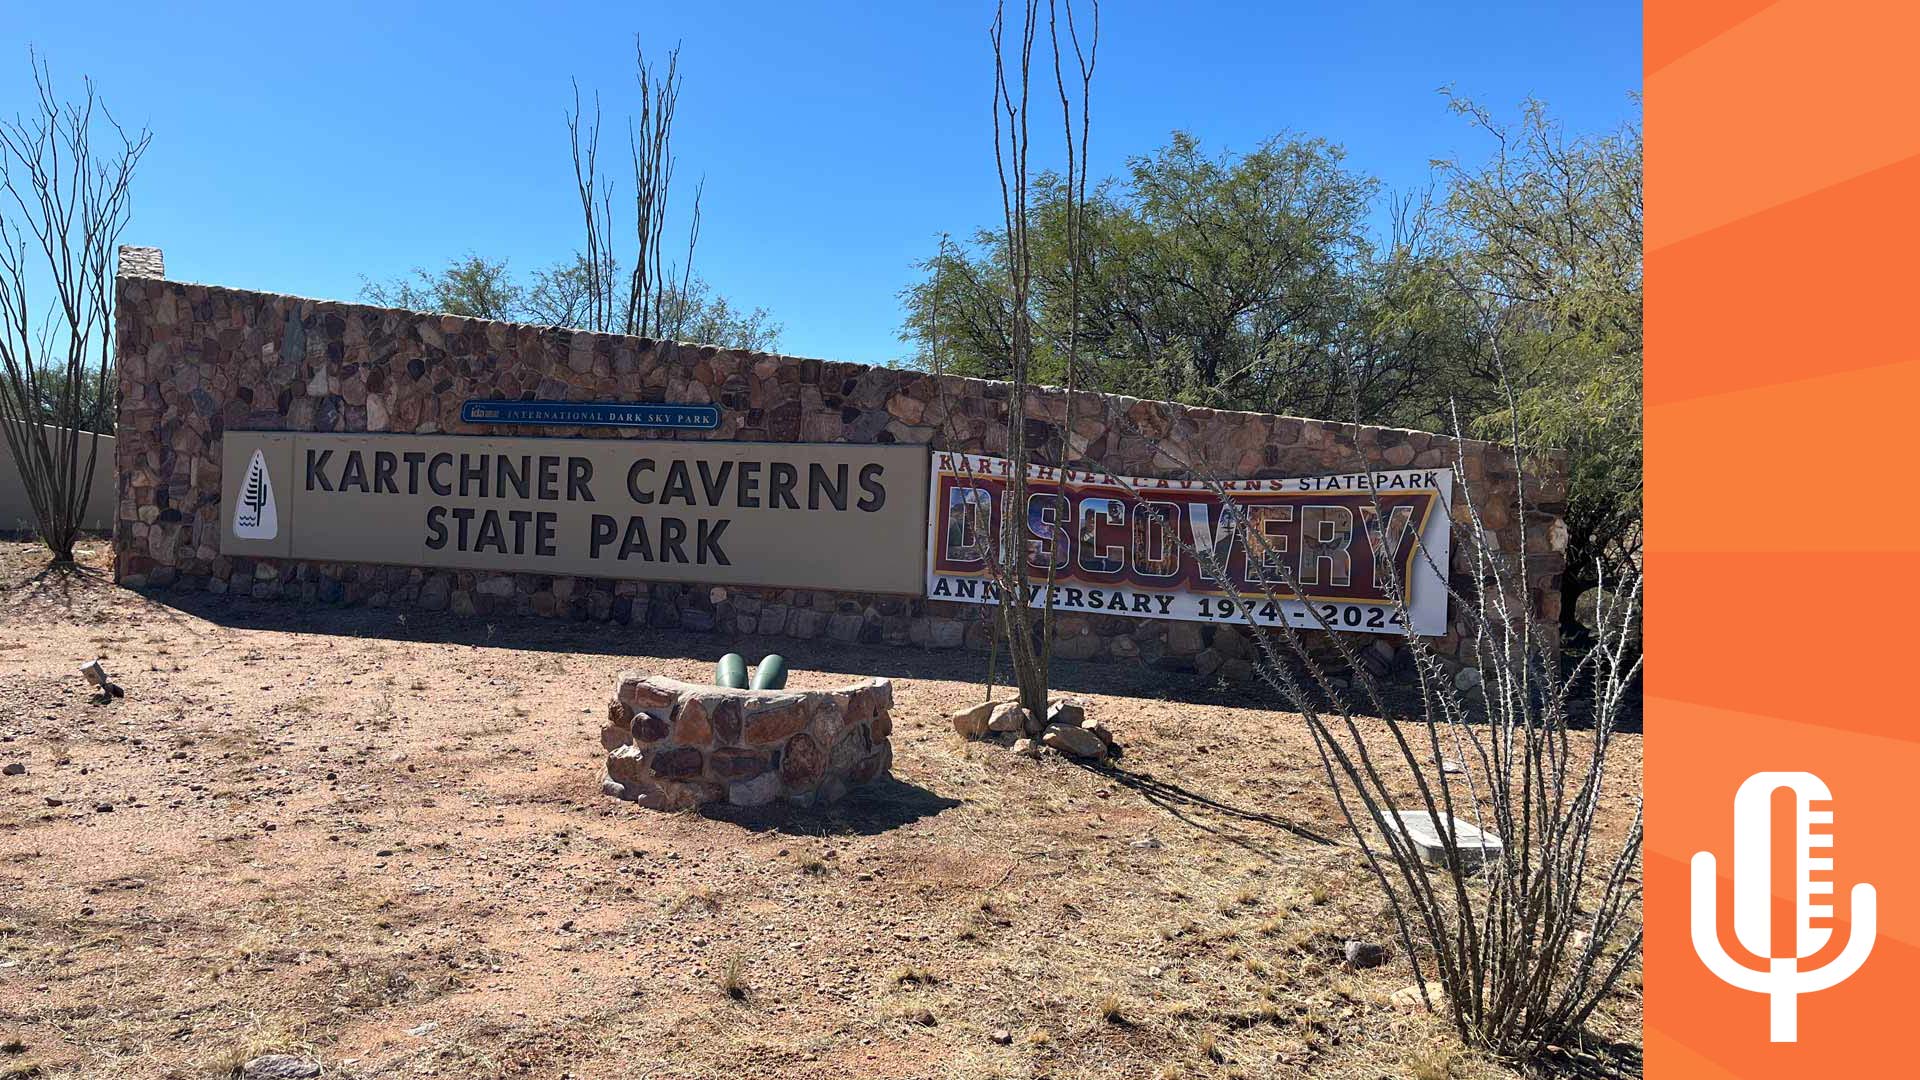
(787, 515)
(850, 517)
(1129, 545)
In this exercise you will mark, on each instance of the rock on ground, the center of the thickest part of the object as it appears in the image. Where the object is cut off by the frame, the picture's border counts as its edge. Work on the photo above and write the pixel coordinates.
(1366, 954)
(279, 1067)
(1074, 741)
(1070, 713)
(971, 723)
(1008, 716)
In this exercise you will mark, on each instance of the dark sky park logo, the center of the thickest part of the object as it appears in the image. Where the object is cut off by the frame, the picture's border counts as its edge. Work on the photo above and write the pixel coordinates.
(256, 514)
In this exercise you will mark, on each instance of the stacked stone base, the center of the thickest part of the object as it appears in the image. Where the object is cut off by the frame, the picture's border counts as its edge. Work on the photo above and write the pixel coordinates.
(673, 745)
(1066, 728)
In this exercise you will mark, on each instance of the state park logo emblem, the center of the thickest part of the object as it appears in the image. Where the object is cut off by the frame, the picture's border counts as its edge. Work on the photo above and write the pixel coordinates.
(256, 516)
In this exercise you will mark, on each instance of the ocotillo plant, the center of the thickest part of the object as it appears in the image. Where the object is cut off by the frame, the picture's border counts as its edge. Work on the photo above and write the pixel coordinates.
(1029, 641)
(65, 175)
(1526, 946)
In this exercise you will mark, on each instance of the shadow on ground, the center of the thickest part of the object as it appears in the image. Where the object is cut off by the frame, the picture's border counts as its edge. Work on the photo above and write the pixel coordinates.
(614, 640)
(1598, 1059)
(1180, 802)
(860, 661)
(868, 810)
(63, 584)
(58, 583)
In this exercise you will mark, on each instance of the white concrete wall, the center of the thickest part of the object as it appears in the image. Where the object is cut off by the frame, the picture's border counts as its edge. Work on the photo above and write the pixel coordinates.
(16, 513)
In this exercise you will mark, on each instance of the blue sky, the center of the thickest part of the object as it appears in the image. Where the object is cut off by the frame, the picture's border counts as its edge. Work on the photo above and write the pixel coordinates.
(300, 146)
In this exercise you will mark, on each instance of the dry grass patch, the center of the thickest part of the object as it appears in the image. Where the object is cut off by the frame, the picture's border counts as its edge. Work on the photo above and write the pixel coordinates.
(914, 975)
(260, 1033)
(371, 985)
(733, 980)
(700, 896)
(1433, 1065)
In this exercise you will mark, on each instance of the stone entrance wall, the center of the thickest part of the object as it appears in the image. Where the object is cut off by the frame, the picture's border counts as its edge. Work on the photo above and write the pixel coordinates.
(199, 360)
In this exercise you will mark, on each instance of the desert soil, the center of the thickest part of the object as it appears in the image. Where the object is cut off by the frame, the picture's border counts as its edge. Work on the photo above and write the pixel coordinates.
(378, 841)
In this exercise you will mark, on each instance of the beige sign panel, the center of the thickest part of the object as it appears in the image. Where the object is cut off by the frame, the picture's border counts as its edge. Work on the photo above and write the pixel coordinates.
(808, 515)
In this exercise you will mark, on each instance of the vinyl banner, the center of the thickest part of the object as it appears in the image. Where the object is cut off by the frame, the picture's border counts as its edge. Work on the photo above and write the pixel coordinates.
(791, 515)
(1129, 546)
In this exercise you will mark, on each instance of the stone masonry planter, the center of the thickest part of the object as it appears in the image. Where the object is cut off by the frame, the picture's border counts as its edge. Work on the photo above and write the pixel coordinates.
(672, 745)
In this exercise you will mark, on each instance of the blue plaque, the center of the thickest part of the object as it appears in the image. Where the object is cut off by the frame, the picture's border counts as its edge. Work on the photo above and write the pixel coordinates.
(638, 414)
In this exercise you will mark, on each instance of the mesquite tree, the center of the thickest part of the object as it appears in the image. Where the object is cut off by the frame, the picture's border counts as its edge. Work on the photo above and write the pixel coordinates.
(65, 175)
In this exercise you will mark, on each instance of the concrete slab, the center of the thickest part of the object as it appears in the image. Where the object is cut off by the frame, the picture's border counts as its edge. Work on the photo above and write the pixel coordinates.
(1476, 845)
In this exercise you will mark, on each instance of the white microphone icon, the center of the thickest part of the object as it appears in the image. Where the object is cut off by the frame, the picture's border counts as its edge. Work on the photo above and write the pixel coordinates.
(1753, 900)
